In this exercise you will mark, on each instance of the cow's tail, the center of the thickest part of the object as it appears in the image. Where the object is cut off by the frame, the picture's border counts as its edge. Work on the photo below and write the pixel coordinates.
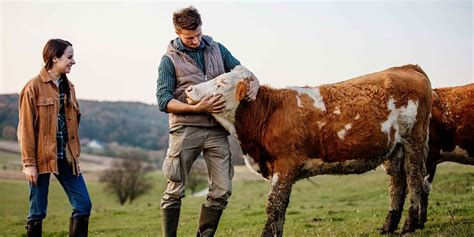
(418, 69)
(413, 67)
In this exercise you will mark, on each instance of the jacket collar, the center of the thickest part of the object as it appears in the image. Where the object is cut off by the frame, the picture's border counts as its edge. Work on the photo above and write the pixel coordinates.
(45, 77)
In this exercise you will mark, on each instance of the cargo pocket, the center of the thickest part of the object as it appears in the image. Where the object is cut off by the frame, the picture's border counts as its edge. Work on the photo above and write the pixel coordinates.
(172, 166)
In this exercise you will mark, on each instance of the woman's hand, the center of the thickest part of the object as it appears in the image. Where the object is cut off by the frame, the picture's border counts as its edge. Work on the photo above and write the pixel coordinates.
(31, 174)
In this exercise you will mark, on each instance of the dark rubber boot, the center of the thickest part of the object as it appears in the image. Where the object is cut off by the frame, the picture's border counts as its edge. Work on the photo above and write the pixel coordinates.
(34, 228)
(208, 221)
(169, 221)
(78, 226)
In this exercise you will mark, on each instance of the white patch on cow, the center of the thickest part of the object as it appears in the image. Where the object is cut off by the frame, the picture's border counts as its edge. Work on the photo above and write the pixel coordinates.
(321, 124)
(408, 116)
(392, 117)
(357, 117)
(427, 146)
(348, 126)
(337, 111)
(275, 179)
(227, 122)
(342, 133)
(224, 84)
(252, 165)
(298, 101)
(314, 93)
(426, 184)
(402, 119)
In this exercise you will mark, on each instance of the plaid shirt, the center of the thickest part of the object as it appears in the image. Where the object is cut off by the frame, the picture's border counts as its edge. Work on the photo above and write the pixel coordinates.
(61, 135)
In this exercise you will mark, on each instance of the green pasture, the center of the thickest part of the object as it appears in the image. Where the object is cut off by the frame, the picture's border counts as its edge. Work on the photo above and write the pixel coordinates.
(351, 205)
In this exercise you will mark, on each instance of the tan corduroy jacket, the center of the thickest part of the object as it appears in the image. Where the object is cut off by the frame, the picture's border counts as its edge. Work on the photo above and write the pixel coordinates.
(38, 124)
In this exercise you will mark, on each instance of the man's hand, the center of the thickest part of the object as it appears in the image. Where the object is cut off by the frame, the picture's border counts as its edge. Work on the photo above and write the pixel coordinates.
(210, 104)
(254, 85)
(31, 174)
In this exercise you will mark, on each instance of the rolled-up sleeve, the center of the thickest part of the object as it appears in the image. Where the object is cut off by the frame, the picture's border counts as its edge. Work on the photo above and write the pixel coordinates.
(165, 83)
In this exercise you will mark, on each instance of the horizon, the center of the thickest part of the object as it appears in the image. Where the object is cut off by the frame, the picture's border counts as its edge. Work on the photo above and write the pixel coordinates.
(118, 45)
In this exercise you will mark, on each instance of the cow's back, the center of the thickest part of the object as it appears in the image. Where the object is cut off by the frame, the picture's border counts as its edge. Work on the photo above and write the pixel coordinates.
(367, 116)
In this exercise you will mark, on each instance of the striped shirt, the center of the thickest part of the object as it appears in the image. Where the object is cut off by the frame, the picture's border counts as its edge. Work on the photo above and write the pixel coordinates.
(61, 135)
(167, 76)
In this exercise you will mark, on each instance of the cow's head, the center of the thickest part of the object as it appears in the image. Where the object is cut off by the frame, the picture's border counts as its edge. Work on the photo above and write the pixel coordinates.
(233, 87)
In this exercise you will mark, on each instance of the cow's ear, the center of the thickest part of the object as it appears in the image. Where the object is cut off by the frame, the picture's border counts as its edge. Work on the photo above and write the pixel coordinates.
(242, 88)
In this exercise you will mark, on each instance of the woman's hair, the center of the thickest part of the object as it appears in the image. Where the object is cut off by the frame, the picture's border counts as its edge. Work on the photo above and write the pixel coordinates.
(56, 48)
(187, 19)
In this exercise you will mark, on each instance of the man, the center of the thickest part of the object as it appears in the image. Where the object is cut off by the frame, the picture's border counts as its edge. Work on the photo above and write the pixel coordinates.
(190, 59)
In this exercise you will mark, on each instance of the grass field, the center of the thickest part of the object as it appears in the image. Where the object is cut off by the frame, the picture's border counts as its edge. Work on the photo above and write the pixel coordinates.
(352, 205)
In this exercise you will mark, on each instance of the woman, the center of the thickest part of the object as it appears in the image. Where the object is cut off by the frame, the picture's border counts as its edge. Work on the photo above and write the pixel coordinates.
(48, 136)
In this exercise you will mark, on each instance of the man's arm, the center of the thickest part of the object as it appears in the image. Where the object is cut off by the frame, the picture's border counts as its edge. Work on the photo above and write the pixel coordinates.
(164, 94)
(208, 104)
(228, 59)
(165, 83)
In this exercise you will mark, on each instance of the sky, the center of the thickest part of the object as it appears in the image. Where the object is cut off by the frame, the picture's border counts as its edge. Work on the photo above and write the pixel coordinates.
(118, 45)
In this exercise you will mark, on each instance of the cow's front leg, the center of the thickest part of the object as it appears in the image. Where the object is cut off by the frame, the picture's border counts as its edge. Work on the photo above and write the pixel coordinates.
(278, 200)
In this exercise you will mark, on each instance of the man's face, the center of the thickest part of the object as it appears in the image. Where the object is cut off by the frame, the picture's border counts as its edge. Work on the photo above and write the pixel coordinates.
(190, 38)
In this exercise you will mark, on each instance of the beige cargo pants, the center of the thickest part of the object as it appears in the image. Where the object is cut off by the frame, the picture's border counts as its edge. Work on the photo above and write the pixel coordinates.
(185, 145)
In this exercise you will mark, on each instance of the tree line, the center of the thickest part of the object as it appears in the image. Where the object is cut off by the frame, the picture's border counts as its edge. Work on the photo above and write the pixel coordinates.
(127, 123)
(126, 129)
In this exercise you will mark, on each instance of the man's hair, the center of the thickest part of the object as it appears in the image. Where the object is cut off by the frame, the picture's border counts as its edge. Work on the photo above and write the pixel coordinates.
(187, 18)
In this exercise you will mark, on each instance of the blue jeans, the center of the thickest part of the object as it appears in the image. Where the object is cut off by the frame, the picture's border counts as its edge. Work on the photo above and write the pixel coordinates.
(75, 189)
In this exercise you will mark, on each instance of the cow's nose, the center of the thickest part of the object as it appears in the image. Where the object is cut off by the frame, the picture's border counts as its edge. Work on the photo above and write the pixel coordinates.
(189, 89)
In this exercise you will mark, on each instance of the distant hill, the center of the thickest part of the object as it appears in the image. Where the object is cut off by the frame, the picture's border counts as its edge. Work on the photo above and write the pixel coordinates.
(127, 123)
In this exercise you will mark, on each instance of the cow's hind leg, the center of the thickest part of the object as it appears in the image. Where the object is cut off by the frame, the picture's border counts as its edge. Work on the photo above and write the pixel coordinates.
(415, 170)
(431, 162)
(278, 200)
(397, 192)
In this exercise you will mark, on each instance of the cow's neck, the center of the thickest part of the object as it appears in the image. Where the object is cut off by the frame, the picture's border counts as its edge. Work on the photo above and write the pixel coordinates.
(251, 117)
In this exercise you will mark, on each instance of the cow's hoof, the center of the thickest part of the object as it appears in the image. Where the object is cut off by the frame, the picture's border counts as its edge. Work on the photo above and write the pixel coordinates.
(383, 231)
(409, 227)
(391, 222)
(420, 226)
(421, 223)
(411, 223)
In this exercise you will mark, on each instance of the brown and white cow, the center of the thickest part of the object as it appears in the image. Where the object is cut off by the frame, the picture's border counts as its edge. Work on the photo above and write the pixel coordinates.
(345, 128)
(451, 126)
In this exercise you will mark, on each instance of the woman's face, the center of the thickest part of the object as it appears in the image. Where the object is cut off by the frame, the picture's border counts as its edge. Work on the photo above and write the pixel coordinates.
(65, 62)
